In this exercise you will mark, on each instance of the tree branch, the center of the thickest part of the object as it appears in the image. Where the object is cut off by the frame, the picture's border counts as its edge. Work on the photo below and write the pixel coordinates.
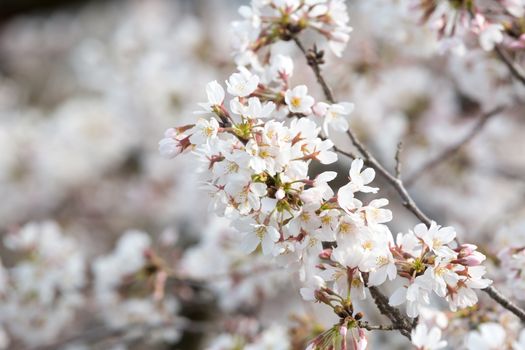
(369, 327)
(513, 67)
(506, 303)
(391, 312)
(398, 160)
(313, 59)
(453, 149)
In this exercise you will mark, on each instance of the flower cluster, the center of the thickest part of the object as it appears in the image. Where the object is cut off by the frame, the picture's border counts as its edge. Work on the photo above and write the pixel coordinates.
(425, 258)
(129, 286)
(258, 153)
(513, 265)
(491, 24)
(41, 293)
(265, 22)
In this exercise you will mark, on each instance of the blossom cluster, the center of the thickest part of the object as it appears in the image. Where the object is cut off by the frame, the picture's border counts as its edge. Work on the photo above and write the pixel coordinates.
(268, 21)
(256, 151)
(428, 262)
(44, 292)
(491, 23)
(258, 155)
(41, 293)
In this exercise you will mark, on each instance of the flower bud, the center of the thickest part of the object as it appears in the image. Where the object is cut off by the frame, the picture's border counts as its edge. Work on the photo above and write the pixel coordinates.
(326, 254)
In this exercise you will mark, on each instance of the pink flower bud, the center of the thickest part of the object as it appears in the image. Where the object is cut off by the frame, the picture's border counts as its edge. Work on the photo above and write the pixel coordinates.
(326, 254)
(474, 259)
(466, 249)
(320, 109)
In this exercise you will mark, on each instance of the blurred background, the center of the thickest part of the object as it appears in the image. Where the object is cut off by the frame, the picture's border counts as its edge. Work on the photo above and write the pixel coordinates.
(88, 208)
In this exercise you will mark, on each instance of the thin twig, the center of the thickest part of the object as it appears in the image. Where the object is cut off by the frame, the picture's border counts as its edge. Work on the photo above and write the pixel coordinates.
(398, 160)
(513, 67)
(506, 303)
(313, 62)
(381, 327)
(453, 149)
(408, 203)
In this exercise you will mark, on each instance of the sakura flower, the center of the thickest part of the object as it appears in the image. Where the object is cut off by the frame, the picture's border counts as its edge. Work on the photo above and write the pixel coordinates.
(306, 220)
(437, 238)
(425, 339)
(490, 34)
(321, 150)
(320, 190)
(281, 67)
(463, 295)
(346, 200)
(374, 214)
(469, 256)
(416, 296)
(243, 83)
(215, 94)
(298, 100)
(329, 222)
(338, 41)
(359, 179)
(515, 7)
(348, 254)
(246, 195)
(254, 110)
(334, 116)
(490, 336)
(382, 265)
(173, 143)
(441, 276)
(255, 234)
(314, 284)
(520, 344)
(204, 131)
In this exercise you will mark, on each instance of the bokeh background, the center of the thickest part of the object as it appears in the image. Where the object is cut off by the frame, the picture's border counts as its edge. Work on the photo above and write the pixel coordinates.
(87, 89)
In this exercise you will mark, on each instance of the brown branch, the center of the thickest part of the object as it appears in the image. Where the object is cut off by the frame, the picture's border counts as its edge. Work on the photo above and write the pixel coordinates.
(314, 58)
(511, 65)
(381, 327)
(506, 303)
(409, 203)
(398, 160)
(453, 149)
(391, 312)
